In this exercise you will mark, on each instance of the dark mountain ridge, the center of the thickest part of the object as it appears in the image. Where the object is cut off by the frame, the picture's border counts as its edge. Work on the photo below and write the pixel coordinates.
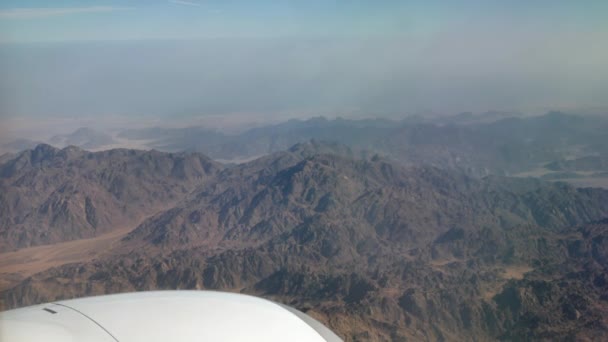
(48, 195)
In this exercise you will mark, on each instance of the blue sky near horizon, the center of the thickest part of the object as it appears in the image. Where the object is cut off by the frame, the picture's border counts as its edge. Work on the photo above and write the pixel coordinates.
(212, 19)
(202, 57)
(43, 21)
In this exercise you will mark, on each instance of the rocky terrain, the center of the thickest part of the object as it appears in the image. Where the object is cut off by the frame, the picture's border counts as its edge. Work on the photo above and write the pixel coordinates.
(377, 250)
(49, 195)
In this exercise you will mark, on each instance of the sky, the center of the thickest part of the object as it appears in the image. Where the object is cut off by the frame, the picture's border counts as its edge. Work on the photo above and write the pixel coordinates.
(150, 59)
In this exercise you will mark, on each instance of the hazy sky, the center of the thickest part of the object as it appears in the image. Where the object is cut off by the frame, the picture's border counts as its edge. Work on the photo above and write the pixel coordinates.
(190, 58)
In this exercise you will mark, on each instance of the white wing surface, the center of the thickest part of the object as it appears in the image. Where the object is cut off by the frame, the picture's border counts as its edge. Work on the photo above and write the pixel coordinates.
(162, 316)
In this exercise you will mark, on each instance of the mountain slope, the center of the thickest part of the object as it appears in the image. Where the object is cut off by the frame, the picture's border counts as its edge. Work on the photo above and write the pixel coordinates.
(49, 195)
(376, 250)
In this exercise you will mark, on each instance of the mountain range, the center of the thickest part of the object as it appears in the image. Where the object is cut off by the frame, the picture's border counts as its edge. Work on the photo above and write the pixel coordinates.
(49, 195)
(478, 146)
(492, 143)
(376, 249)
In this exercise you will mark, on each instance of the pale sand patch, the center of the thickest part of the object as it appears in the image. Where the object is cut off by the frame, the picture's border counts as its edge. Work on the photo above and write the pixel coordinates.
(590, 182)
(510, 272)
(18, 265)
(516, 272)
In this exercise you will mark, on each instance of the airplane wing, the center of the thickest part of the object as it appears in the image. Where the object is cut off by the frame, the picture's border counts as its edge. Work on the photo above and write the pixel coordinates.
(162, 316)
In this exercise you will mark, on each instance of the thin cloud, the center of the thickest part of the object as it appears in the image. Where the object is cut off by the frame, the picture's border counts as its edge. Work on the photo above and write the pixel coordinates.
(185, 3)
(30, 13)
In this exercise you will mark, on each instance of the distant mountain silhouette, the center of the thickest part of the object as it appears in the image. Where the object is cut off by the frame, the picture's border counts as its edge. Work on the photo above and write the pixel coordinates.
(83, 137)
(493, 143)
